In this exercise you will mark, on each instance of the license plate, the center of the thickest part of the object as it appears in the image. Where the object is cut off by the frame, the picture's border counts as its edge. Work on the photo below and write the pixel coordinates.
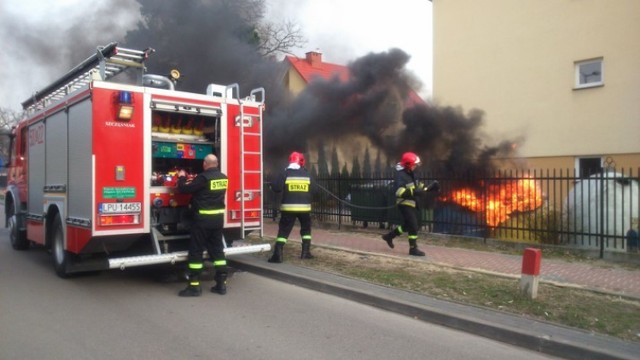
(120, 208)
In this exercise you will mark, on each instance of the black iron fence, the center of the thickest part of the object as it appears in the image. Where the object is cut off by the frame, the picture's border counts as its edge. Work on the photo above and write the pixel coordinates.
(557, 207)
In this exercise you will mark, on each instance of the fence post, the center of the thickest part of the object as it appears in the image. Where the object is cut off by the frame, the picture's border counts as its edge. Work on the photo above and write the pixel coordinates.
(602, 227)
(339, 196)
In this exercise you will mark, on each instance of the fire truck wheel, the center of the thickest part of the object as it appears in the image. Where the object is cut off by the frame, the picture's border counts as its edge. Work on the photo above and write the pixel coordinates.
(61, 257)
(18, 238)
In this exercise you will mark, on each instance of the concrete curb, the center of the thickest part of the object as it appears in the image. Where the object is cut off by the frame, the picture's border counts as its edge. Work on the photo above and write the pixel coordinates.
(530, 334)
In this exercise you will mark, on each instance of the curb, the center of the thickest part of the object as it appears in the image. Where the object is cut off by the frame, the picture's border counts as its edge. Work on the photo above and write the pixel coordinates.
(526, 333)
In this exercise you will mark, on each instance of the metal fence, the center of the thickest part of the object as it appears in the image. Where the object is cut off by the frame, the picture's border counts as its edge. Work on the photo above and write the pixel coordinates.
(557, 207)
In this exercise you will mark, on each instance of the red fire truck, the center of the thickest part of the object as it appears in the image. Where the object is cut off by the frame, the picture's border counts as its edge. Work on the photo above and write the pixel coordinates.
(93, 164)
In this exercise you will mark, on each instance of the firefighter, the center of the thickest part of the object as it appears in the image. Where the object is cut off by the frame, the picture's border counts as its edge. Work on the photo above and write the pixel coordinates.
(295, 185)
(208, 191)
(407, 190)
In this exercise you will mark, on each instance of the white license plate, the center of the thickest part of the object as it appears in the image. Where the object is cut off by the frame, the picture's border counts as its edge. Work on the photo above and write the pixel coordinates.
(120, 208)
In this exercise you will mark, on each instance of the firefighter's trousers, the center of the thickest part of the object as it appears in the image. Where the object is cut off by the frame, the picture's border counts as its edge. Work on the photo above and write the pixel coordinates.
(207, 236)
(409, 221)
(288, 220)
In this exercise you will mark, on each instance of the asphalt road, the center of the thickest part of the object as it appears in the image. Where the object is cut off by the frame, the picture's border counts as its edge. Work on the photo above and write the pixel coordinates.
(136, 314)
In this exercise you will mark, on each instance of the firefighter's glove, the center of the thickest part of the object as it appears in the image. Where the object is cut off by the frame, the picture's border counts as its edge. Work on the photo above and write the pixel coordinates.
(433, 187)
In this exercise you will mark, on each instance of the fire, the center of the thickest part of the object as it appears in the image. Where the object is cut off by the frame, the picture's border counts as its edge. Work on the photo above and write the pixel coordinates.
(498, 201)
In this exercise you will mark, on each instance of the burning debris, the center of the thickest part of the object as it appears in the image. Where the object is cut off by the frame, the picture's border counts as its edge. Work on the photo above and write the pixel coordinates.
(498, 201)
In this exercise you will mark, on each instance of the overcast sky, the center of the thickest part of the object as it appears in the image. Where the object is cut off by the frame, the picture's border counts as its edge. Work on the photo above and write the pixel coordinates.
(346, 29)
(342, 30)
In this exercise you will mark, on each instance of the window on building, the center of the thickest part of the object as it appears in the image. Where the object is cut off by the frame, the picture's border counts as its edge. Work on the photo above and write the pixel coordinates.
(589, 73)
(589, 166)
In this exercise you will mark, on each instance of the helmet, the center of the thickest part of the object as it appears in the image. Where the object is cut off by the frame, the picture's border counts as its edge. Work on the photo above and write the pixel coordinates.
(297, 158)
(409, 160)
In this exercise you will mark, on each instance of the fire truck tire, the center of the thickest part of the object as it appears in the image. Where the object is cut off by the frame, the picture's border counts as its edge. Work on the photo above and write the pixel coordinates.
(61, 257)
(18, 238)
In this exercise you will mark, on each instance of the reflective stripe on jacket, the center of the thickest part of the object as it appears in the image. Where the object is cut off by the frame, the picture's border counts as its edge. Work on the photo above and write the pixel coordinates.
(208, 191)
(295, 186)
(405, 188)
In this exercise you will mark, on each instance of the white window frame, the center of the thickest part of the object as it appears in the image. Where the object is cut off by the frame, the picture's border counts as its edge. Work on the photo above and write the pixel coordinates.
(579, 65)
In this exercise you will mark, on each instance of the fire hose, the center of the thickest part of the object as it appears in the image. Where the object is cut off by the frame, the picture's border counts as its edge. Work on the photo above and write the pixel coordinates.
(434, 186)
(348, 203)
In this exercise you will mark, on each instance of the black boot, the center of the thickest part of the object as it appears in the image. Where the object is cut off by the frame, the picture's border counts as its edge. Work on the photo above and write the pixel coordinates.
(190, 291)
(306, 250)
(277, 253)
(413, 249)
(221, 283)
(389, 237)
(193, 287)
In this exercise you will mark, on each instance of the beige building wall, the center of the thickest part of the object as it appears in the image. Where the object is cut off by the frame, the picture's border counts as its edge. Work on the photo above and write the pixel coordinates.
(516, 61)
(294, 82)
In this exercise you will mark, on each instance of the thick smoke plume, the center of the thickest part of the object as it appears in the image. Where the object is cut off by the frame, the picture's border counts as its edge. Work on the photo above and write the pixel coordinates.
(38, 50)
(378, 103)
(213, 41)
(208, 41)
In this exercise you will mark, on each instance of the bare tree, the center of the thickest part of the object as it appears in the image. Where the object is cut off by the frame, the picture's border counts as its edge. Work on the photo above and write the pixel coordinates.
(274, 39)
(269, 37)
(8, 119)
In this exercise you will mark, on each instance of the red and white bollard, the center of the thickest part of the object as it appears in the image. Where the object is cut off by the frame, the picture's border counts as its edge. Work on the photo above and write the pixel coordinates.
(530, 271)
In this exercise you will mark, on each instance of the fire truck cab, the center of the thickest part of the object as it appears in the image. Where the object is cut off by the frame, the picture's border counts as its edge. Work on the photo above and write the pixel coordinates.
(93, 165)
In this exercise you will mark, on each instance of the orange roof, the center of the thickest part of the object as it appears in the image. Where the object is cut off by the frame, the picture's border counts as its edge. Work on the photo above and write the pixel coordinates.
(312, 67)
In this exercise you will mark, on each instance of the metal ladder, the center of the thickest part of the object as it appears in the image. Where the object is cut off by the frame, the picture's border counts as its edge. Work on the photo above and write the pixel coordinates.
(245, 194)
(107, 62)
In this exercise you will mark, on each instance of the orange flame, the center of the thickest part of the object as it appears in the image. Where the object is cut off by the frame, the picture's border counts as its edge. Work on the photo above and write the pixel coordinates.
(500, 200)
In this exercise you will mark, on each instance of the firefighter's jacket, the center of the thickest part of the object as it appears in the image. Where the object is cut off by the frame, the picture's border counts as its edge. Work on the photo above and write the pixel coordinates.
(208, 190)
(407, 187)
(295, 185)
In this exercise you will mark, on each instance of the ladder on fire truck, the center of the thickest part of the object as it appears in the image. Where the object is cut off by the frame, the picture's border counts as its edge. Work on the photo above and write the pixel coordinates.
(107, 62)
(245, 122)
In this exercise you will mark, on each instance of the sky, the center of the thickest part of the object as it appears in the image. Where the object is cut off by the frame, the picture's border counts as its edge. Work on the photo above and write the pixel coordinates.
(342, 30)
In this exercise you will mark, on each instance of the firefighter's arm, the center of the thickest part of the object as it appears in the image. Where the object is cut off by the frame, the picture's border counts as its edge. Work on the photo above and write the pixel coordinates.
(433, 187)
(278, 185)
(404, 192)
(197, 184)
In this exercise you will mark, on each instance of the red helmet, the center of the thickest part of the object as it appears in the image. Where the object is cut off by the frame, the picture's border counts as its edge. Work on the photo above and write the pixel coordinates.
(297, 158)
(409, 159)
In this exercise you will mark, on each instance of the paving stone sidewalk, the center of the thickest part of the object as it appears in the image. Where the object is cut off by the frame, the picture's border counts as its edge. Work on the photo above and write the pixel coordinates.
(614, 280)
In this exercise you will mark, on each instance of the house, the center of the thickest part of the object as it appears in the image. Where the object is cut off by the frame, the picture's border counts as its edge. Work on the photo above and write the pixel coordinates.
(300, 72)
(561, 74)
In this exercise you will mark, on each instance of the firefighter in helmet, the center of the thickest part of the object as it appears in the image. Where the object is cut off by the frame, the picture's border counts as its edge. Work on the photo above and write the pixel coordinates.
(295, 185)
(208, 190)
(407, 191)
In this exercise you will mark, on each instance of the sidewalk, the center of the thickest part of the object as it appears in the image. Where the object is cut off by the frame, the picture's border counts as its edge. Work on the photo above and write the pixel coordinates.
(612, 280)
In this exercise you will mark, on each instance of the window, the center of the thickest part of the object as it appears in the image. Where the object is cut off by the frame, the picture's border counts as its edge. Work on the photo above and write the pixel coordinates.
(589, 73)
(589, 166)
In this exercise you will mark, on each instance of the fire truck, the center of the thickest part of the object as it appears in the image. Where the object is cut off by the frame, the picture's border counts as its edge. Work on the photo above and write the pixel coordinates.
(93, 164)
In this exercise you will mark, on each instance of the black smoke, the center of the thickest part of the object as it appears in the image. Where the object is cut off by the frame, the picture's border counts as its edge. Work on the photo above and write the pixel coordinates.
(378, 103)
(213, 41)
(209, 41)
(38, 52)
